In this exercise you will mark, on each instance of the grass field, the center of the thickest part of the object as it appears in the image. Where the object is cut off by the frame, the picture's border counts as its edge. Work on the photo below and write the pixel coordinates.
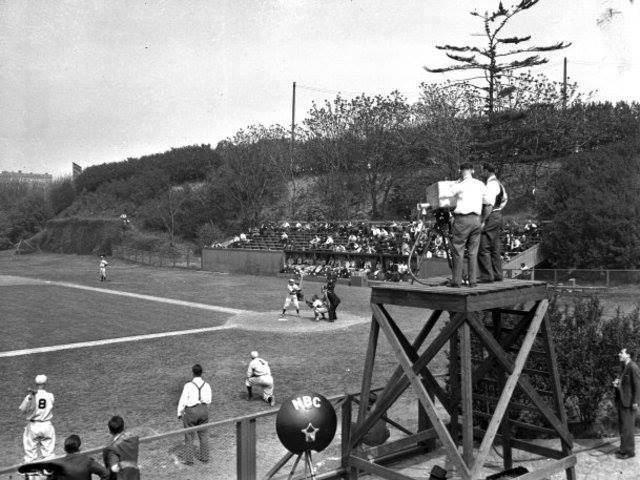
(44, 302)
(142, 380)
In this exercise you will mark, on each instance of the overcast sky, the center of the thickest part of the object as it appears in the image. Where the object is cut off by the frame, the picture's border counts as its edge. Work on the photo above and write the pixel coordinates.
(98, 81)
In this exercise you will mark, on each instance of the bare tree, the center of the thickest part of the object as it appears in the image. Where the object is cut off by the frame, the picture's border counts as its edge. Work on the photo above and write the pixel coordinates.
(169, 207)
(501, 56)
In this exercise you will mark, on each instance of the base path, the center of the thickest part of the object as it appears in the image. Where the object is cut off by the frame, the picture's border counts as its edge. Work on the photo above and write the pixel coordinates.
(240, 319)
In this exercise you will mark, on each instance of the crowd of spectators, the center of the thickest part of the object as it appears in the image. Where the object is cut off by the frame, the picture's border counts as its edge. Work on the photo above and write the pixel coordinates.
(517, 237)
(376, 250)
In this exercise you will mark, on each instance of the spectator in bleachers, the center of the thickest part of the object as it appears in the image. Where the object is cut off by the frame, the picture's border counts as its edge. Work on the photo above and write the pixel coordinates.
(328, 243)
(315, 241)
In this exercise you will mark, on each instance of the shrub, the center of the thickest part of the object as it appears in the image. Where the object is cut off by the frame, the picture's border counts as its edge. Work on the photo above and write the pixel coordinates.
(586, 346)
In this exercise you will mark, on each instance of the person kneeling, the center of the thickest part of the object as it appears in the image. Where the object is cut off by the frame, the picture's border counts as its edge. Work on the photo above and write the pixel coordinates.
(319, 308)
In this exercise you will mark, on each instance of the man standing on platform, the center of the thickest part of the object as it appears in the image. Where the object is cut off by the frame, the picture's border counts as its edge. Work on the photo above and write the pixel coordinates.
(473, 206)
(627, 393)
(489, 254)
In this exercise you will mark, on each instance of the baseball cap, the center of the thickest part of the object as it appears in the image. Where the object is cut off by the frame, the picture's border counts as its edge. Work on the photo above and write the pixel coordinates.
(466, 166)
(254, 354)
(41, 379)
(291, 280)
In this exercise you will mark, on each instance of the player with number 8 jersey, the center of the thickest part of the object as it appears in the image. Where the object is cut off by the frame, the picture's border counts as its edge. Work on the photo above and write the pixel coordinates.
(39, 437)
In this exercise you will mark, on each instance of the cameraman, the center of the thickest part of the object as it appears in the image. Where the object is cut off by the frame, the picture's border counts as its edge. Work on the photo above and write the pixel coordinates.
(472, 208)
(39, 436)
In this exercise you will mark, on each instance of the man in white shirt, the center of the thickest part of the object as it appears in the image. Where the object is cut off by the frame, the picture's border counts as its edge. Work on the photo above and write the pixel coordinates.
(472, 208)
(489, 254)
(39, 438)
(259, 373)
(193, 409)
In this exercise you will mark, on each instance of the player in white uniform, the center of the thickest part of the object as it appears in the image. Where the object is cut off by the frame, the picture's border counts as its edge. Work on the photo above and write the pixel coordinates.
(39, 433)
(259, 374)
(319, 307)
(292, 296)
(103, 268)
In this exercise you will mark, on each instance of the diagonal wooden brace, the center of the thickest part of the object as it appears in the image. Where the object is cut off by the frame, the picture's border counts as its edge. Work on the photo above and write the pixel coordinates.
(410, 369)
(494, 347)
(398, 382)
(509, 387)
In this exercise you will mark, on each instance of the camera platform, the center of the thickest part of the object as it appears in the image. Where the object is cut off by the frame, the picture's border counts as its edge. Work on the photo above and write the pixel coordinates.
(501, 361)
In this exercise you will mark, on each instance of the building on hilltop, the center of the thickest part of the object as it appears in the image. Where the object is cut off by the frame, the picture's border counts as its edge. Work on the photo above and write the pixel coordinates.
(20, 176)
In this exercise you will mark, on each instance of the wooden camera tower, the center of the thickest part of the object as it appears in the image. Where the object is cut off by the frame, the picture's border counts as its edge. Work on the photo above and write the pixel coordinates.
(490, 359)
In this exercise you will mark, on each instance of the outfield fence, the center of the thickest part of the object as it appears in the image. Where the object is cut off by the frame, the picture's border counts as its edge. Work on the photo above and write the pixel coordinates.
(247, 448)
(159, 259)
(578, 278)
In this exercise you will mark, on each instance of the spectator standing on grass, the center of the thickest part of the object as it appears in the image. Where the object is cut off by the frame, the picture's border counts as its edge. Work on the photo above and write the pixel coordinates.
(39, 438)
(121, 455)
(75, 465)
(193, 409)
(627, 394)
(489, 258)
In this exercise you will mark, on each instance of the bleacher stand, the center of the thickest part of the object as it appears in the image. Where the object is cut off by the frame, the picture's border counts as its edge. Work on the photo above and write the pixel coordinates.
(376, 250)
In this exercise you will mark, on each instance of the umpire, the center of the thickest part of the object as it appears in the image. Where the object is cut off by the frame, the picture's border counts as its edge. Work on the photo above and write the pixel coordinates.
(472, 208)
(334, 300)
(489, 254)
(193, 409)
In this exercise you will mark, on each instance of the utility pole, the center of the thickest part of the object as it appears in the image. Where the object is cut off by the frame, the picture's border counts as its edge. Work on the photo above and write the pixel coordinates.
(293, 120)
(564, 84)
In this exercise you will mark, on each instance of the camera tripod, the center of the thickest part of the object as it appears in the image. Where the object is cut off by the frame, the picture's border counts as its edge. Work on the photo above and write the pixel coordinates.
(441, 228)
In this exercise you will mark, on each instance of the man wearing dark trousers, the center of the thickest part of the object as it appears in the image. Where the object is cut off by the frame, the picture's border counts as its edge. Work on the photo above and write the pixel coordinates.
(627, 393)
(193, 409)
(489, 259)
(76, 466)
(330, 294)
(472, 208)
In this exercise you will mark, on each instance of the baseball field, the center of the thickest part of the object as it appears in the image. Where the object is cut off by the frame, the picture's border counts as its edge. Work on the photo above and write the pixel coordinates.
(126, 346)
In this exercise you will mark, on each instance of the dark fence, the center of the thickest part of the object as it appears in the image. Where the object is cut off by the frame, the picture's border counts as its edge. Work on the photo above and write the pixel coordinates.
(579, 277)
(159, 259)
(233, 260)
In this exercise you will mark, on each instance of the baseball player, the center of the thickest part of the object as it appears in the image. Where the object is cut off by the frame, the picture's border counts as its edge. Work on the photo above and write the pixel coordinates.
(193, 409)
(319, 307)
(39, 437)
(103, 268)
(292, 296)
(259, 373)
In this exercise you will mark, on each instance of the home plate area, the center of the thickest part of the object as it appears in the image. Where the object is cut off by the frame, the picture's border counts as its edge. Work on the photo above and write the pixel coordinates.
(273, 321)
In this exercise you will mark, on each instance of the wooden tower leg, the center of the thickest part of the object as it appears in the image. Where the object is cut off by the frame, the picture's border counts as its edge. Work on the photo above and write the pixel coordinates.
(466, 387)
(505, 426)
(454, 384)
(567, 447)
(367, 374)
